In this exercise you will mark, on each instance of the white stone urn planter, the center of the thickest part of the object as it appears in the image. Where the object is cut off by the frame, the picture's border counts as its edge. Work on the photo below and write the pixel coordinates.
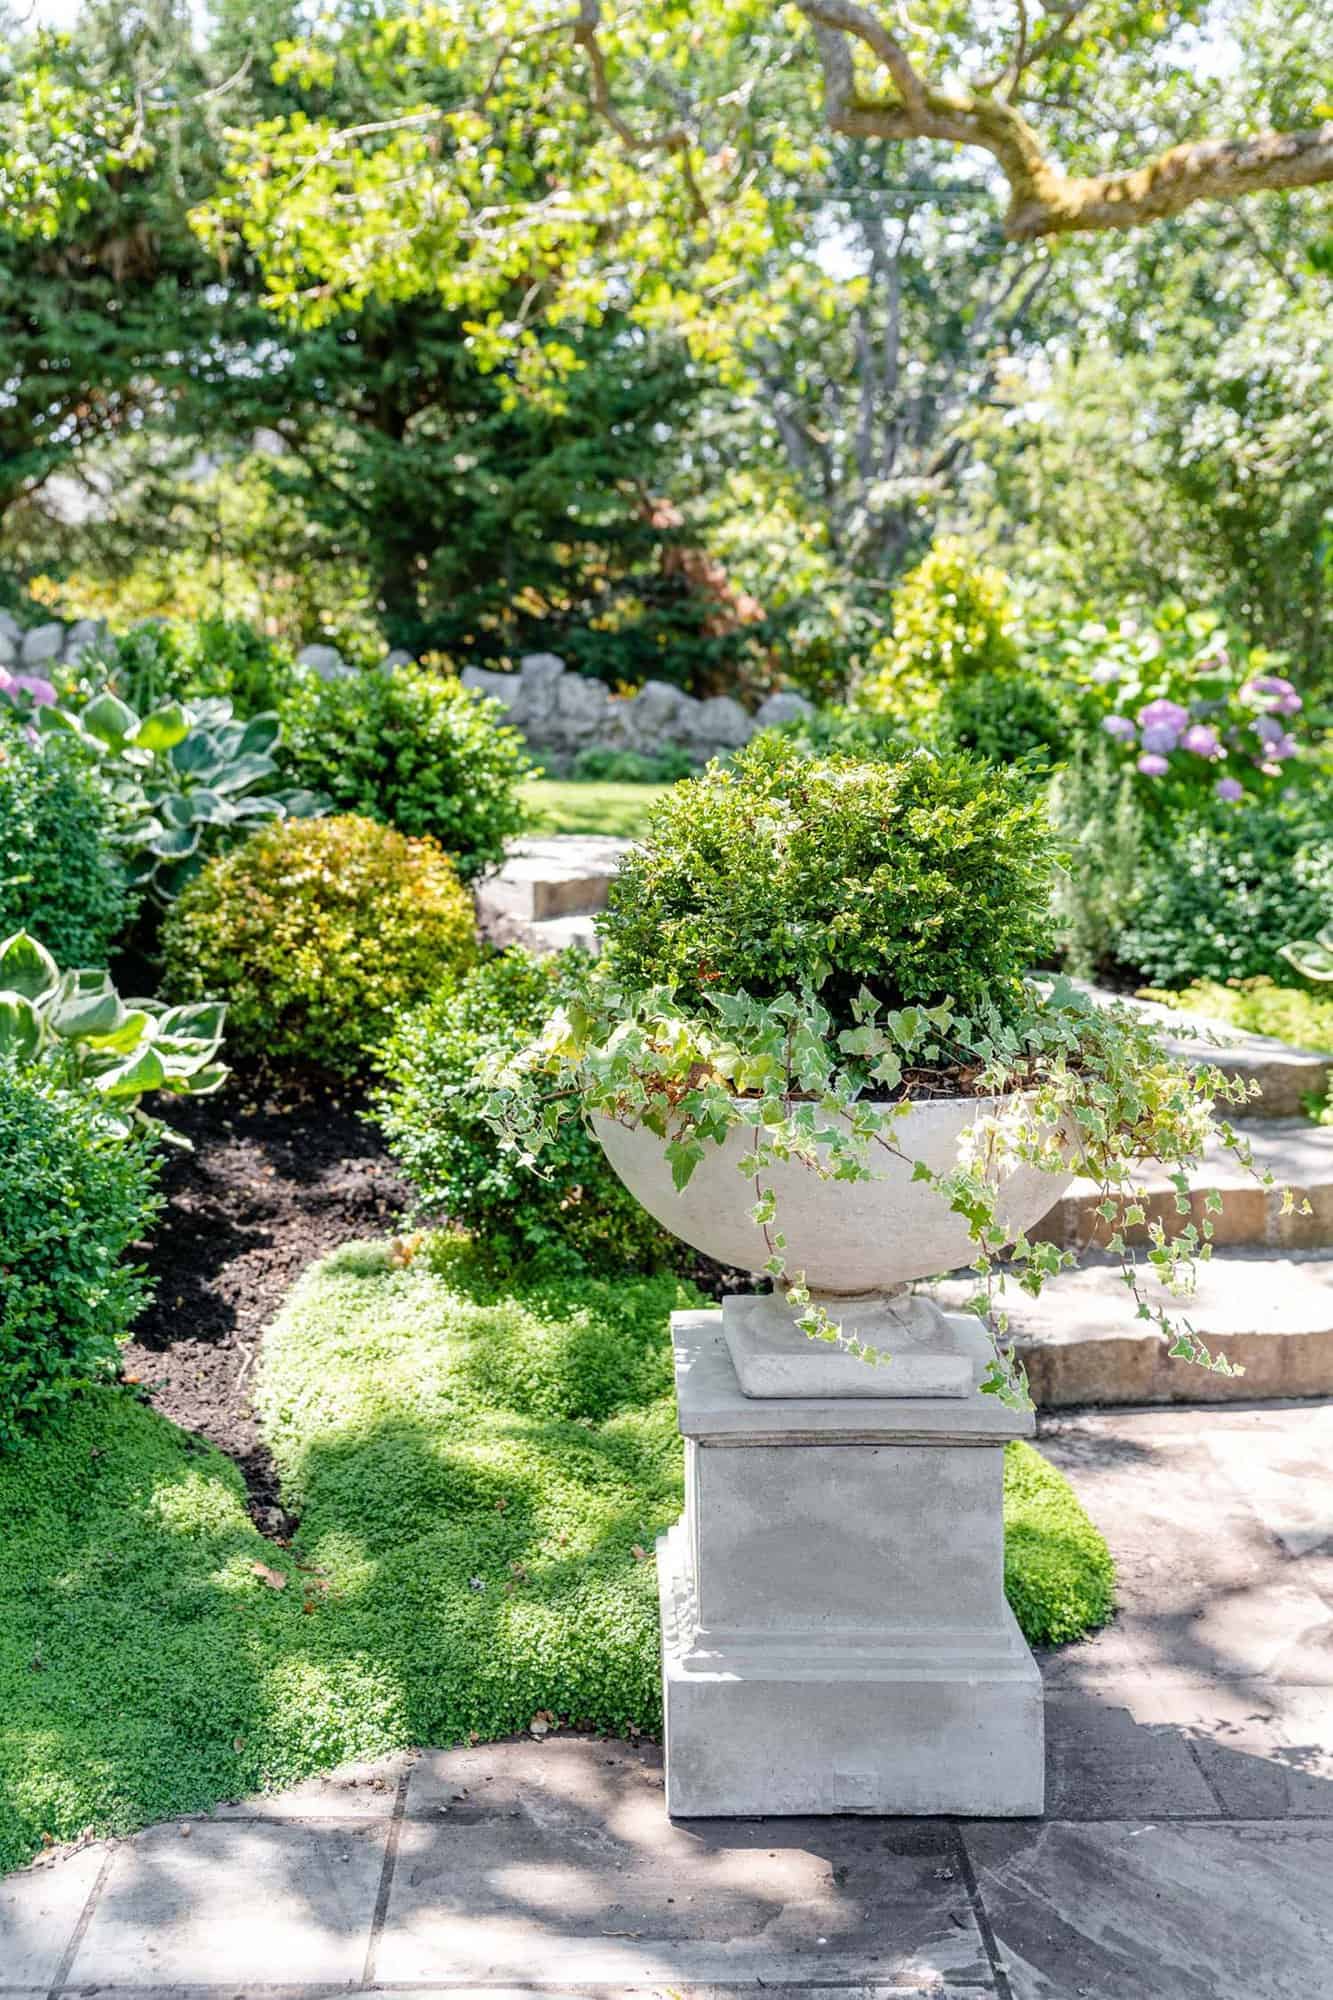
(859, 1243)
(834, 1627)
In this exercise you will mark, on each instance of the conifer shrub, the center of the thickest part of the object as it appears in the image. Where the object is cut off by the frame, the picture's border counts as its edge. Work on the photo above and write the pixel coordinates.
(953, 620)
(316, 933)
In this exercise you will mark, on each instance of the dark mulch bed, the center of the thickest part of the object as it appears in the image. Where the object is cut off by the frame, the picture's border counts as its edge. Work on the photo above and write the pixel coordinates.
(282, 1172)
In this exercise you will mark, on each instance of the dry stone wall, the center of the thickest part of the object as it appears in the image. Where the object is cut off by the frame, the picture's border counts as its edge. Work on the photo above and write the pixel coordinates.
(560, 713)
(41, 647)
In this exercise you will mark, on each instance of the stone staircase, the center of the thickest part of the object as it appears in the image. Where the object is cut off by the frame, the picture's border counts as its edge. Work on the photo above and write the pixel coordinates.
(1265, 1298)
(549, 891)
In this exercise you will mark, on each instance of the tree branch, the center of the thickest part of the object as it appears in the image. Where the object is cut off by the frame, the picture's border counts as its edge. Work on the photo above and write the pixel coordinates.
(674, 139)
(1043, 199)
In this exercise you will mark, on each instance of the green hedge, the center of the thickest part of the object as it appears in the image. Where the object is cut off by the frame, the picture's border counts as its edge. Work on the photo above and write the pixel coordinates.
(73, 1200)
(60, 877)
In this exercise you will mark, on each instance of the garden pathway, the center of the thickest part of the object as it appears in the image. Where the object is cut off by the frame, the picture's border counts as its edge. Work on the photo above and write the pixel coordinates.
(1187, 1851)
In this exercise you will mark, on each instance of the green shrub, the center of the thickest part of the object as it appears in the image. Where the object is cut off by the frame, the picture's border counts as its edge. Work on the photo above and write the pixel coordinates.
(316, 933)
(72, 1201)
(1097, 814)
(923, 877)
(1261, 1007)
(953, 620)
(1004, 718)
(577, 1211)
(424, 754)
(846, 732)
(157, 662)
(1220, 899)
(60, 877)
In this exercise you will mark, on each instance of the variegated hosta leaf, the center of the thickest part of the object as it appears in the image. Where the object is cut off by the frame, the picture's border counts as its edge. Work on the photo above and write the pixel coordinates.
(1311, 957)
(27, 968)
(122, 1050)
(21, 1034)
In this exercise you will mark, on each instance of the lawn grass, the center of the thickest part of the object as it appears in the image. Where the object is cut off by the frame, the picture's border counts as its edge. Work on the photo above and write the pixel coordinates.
(480, 1475)
(568, 805)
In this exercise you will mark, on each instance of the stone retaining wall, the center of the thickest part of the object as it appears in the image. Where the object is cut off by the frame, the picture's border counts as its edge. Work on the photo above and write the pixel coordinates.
(560, 713)
(42, 647)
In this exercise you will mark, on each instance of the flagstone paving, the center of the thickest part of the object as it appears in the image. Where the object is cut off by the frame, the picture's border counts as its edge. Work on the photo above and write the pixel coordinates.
(1186, 1852)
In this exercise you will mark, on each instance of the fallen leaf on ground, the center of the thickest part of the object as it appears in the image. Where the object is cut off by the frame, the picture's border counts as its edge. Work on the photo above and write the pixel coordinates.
(274, 1578)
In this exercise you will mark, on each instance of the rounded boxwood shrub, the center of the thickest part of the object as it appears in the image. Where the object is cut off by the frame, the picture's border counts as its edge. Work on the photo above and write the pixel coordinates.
(60, 877)
(577, 1212)
(1218, 899)
(1004, 718)
(418, 752)
(316, 933)
(73, 1198)
(922, 877)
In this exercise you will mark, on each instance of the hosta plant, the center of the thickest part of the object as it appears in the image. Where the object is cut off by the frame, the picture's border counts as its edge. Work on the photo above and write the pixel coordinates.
(181, 778)
(838, 891)
(120, 1050)
(1311, 957)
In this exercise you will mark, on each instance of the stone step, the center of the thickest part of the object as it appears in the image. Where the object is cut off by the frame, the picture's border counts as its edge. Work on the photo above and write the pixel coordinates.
(545, 880)
(1297, 1154)
(1286, 1075)
(559, 933)
(1081, 1344)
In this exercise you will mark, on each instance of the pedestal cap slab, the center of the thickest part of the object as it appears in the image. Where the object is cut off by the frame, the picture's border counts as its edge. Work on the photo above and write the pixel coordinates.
(713, 1408)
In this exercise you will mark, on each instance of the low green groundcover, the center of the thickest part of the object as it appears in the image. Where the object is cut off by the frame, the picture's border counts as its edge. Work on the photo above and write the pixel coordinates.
(480, 1476)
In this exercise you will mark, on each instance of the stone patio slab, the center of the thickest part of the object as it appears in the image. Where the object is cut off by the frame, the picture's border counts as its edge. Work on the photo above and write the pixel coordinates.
(1265, 1749)
(39, 1909)
(1113, 1753)
(360, 1791)
(538, 1894)
(264, 1902)
(1168, 1911)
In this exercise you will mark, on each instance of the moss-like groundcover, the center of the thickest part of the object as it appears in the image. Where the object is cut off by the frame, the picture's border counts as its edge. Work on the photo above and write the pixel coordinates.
(480, 1475)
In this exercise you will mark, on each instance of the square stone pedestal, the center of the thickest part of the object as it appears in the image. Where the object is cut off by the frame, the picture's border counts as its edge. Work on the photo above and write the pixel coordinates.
(834, 1627)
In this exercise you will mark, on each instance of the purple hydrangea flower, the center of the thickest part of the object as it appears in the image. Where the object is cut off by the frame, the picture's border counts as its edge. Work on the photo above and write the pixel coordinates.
(1153, 766)
(1164, 714)
(1203, 740)
(1160, 739)
(1277, 695)
(1120, 727)
(1268, 728)
(40, 692)
(1230, 789)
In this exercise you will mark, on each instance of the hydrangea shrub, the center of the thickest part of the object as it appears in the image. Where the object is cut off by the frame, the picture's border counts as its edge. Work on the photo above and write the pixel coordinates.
(1192, 714)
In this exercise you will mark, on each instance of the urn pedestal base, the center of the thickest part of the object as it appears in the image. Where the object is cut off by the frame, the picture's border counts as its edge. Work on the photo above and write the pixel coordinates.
(835, 1633)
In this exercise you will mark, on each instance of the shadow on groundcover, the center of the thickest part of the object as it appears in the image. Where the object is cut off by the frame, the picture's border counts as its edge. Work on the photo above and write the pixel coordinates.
(462, 1564)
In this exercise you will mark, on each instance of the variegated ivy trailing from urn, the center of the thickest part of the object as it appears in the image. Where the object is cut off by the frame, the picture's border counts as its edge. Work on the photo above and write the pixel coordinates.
(807, 952)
